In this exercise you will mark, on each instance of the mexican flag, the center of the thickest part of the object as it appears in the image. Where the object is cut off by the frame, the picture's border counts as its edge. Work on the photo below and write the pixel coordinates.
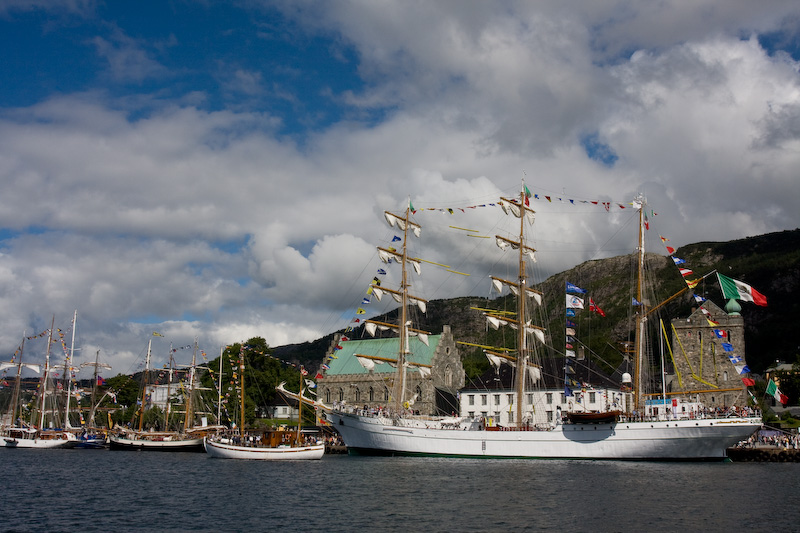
(732, 288)
(776, 393)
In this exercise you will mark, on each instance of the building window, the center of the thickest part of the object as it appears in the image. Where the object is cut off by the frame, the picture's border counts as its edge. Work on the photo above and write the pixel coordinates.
(510, 417)
(549, 398)
(563, 398)
(341, 395)
(385, 395)
(371, 394)
(419, 393)
(549, 416)
(530, 399)
(471, 414)
(471, 399)
(497, 415)
(496, 399)
(592, 397)
(358, 395)
(448, 376)
(327, 396)
(510, 399)
(724, 376)
(483, 399)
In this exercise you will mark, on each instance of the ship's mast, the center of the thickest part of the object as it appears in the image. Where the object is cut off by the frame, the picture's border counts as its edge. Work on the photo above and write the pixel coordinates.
(521, 329)
(189, 416)
(639, 201)
(144, 382)
(68, 369)
(46, 372)
(399, 388)
(241, 393)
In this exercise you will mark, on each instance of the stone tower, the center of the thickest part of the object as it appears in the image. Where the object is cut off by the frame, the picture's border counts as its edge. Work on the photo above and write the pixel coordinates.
(705, 355)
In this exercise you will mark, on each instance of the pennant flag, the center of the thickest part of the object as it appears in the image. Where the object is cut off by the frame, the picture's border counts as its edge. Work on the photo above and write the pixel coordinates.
(376, 281)
(735, 289)
(744, 370)
(699, 299)
(310, 384)
(319, 376)
(365, 301)
(303, 370)
(686, 272)
(382, 272)
(670, 250)
(567, 391)
(325, 367)
(692, 284)
(361, 311)
(570, 331)
(678, 261)
(344, 339)
(569, 353)
(663, 239)
(100, 381)
(570, 312)
(728, 347)
(735, 359)
(634, 302)
(594, 307)
(157, 334)
(720, 333)
(573, 302)
(749, 382)
(571, 324)
(411, 207)
(396, 238)
(574, 288)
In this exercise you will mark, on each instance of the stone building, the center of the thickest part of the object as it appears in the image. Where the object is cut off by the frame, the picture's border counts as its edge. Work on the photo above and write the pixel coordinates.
(368, 382)
(707, 358)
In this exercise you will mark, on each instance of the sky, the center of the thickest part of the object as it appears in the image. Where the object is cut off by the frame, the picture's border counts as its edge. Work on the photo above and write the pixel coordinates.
(218, 170)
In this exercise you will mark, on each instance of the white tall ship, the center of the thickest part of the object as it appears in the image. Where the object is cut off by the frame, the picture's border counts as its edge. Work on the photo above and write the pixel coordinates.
(606, 436)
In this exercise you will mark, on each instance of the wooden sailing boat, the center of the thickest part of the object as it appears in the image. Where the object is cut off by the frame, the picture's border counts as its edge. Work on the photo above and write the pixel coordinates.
(141, 439)
(272, 445)
(400, 433)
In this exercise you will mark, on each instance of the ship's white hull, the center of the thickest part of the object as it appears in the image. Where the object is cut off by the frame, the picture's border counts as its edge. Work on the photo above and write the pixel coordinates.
(231, 451)
(64, 440)
(174, 445)
(700, 439)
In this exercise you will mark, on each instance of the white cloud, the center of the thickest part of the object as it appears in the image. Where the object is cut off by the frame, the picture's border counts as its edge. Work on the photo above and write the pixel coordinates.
(151, 214)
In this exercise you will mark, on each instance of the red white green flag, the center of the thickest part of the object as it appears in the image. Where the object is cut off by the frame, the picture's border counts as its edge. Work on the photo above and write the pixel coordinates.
(735, 289)
(772, 389)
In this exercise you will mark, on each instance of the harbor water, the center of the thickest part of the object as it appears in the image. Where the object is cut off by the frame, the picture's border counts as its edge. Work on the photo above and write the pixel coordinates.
(102, 490)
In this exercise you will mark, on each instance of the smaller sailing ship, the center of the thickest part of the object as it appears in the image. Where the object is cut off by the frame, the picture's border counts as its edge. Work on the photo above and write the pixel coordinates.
(21, 435)
(188, 440)
(271, 445)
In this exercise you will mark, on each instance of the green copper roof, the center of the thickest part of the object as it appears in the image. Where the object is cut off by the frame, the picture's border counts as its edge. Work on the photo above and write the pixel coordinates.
(346, 363)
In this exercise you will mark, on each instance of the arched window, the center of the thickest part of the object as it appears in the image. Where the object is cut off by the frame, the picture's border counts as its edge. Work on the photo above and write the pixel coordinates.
(358, 395)
(386, 395)
(371, 394)
(725, 376)
(419, 392)
(448, 376)
(341, 395)
(327, 396)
